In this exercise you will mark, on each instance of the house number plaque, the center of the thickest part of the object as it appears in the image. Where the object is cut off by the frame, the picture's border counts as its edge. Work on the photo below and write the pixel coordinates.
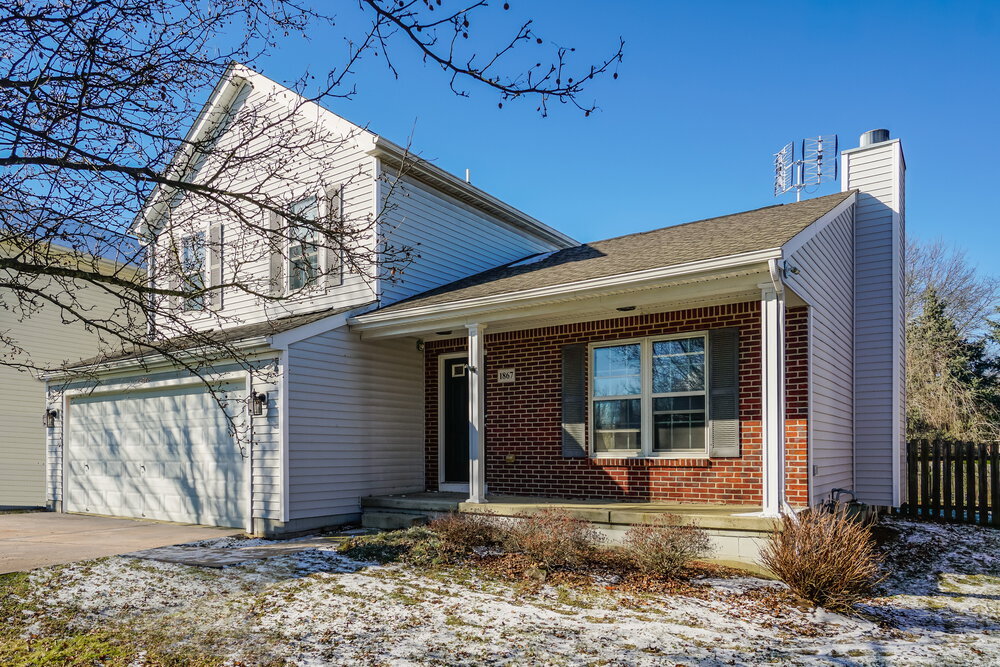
(505, 375)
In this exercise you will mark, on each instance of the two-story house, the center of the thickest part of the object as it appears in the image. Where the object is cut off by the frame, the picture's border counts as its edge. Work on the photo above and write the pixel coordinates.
(752, 361)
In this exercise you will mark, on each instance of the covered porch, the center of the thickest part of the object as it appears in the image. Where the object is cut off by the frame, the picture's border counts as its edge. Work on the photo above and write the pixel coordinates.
(497, 379)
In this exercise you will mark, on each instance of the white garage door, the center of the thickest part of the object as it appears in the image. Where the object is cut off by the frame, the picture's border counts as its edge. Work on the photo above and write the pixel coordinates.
(163, 454)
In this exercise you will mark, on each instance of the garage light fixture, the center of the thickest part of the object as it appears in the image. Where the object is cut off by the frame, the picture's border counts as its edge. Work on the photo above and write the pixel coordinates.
(51, 415)
(259, 404)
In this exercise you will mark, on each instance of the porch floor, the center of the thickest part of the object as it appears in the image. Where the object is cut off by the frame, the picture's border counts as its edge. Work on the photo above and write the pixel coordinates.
(611, 512)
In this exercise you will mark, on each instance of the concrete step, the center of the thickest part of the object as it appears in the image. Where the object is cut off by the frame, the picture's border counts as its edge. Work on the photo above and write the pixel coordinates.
(411, 503)
(391, 520)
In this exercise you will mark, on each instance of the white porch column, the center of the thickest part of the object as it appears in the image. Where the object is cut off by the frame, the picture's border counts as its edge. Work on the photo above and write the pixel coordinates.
(477, 414)
(772, 338)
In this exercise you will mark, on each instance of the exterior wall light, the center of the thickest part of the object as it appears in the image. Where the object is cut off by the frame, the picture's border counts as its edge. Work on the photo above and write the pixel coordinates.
(51, 415)
(259, 404)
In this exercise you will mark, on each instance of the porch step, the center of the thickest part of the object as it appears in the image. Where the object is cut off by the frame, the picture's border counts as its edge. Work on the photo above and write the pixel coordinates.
(430, 502)
(391, 520)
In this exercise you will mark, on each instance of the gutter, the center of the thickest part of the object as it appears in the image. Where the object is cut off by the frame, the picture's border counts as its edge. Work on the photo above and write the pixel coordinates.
(377, 319)
(776, 272)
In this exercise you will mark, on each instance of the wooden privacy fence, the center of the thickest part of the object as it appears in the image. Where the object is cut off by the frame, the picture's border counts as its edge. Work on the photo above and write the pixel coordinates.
(953, 481)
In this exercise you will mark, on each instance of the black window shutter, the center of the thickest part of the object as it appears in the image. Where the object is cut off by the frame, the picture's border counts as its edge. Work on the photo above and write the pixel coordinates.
(574, 401)
(724, 392)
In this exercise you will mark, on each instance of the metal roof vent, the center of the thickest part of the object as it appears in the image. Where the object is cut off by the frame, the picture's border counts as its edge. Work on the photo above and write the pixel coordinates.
(874, 137)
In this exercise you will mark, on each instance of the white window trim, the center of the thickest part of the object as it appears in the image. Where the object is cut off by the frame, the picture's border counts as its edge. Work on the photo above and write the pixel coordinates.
(646, 399)
(293, 228)
(323, 254)
(205, 277)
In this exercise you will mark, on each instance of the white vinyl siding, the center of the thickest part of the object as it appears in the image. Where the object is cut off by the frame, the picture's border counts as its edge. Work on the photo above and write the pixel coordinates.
(356, 422)
(825, 279)
(267, 444)
(246, 259)
(878, 321)
(451, 239)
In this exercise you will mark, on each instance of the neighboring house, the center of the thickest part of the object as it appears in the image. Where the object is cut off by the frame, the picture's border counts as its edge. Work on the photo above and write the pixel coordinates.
(750, 360)
(48, 338)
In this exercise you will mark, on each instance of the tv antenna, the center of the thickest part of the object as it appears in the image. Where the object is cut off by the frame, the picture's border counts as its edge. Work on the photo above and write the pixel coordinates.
(817, 164)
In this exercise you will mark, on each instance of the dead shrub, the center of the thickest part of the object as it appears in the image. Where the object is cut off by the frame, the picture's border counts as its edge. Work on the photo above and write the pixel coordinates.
(826, 558)
(552, 538)
(462, 533)
(663, 547)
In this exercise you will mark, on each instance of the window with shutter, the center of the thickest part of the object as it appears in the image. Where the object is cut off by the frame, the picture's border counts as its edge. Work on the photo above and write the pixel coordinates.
(303, 245)
(663, 396)
(192, 266)
(574, 401)
(724, 390)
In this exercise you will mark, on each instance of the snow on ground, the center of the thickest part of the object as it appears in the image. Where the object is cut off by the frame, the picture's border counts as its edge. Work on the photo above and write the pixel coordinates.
(316, 607)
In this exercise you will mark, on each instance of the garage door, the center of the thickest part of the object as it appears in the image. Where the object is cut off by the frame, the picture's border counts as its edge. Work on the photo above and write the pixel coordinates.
(165, 454)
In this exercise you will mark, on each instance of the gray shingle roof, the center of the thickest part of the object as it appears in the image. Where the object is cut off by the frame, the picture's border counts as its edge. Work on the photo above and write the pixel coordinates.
(759, 229)
(216, 337)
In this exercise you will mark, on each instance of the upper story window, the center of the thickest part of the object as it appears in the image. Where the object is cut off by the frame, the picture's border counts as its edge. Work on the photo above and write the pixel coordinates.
(648, 397)
(193, 269)
(303, 246)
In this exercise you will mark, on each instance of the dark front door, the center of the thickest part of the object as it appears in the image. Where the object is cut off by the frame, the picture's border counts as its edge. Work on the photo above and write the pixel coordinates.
(456, 422)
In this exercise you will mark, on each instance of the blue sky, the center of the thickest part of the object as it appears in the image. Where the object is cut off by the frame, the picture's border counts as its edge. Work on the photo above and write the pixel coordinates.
(707, 92)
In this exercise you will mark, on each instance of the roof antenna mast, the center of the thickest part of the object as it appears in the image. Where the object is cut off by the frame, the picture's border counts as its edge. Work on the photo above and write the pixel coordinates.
(817, 164)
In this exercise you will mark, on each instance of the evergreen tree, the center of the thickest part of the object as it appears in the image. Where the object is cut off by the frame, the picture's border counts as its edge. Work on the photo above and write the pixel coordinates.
(951, 382)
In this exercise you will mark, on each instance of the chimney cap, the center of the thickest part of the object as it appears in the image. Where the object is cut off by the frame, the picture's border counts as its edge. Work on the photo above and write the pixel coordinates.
(874, 137)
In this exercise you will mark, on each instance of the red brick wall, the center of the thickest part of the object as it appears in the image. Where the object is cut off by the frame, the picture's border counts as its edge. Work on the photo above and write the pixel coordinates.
(524, 420)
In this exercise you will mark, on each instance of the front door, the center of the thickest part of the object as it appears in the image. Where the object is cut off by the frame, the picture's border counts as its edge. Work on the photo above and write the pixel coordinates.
(455, 425)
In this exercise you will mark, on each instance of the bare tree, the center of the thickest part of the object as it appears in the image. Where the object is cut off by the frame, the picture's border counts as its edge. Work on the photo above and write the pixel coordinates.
(970, 298)
(947, 395)
(94, 99)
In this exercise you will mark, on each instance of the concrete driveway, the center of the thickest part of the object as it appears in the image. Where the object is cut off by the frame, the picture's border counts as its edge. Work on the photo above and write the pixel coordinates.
(37, 539)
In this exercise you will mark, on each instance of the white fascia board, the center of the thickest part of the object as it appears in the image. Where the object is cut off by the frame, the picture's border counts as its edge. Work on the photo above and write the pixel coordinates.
(282, 340)
(794, 244)
(148, 362)
(387, 149)
(583, 288)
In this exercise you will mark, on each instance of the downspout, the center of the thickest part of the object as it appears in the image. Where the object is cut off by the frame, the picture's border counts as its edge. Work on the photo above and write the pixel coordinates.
(777, 271)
